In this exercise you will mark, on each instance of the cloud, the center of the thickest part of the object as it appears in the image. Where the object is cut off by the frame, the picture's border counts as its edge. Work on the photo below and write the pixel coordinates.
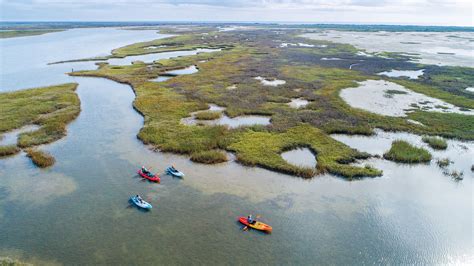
(448, 12)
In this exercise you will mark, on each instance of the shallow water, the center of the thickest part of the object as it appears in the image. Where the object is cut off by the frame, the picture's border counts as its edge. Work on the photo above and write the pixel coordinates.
(224, 120)
(460, 153)
(373, 96)
(411, 74)
(298, 103)
(10, 138)
(76, 212)
(435, 48)
(185, 71)
(149, 58)
(300, 157)
(274, 83)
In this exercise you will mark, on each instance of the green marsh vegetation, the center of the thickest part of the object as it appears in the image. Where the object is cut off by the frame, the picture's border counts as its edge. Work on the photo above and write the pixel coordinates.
(209, 157)
(40, 158)
(51, 108)
(22, 33)
(403, 152)
(436, 143)
(208, 115)
(8, 150)
(250, 53)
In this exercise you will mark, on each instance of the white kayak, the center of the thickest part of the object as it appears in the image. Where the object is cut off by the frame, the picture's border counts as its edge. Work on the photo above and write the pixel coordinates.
(141, 203)
(174, 172)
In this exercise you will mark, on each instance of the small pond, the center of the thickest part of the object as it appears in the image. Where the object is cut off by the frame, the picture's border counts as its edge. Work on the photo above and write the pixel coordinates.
(267, 82)
(298, 103)
(411, 74)
(300, 157)
(239, 121)
(184, 71)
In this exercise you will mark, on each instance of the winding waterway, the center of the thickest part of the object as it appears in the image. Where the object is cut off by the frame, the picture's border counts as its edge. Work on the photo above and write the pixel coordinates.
(77, 212)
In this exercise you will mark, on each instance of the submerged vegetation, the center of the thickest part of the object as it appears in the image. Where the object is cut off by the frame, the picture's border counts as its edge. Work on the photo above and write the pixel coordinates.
(403, 152)
(40, 158)
(246, 54)
(51, 108)
(436, 142)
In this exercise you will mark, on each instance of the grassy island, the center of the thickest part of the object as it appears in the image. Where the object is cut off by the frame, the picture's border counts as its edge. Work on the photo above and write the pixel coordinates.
(40, 158)
(51, 108)
(246, 54)
(436, 142)
(403, 152)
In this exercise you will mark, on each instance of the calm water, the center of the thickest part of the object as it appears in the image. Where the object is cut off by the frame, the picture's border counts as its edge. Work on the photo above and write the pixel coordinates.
(76, 212)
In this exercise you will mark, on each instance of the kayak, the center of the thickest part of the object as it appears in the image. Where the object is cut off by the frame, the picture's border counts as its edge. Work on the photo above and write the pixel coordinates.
(175, 172)
(143, 204)
(257, 225)
(154, 178)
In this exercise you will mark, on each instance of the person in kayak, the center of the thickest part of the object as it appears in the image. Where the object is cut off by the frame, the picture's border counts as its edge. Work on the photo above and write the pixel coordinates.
(139, 198)
(173, 169)
(250, 219)
(146, 172)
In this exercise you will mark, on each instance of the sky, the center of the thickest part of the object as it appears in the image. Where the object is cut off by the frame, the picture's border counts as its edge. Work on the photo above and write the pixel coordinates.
(415, 12)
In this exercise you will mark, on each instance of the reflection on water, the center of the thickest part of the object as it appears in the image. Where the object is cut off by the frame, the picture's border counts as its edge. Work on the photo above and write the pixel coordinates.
(411, 74)
(298, 103)
(273, 83)
(300, 157)
(84, 215)
(435, 48)
(185, 71)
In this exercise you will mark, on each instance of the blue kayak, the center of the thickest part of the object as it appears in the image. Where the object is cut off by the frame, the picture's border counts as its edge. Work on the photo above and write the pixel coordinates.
(175, 172)
(141, 203)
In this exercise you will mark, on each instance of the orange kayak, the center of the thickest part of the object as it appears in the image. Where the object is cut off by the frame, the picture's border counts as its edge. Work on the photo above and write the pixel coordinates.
(257, 225)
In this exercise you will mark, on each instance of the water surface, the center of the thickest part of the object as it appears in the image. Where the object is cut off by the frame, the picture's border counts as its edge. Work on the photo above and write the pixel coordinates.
(440, 48)
(300, 157)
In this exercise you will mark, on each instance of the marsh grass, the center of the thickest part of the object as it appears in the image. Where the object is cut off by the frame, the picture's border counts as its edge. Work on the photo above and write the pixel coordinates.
(443, 163)
(40, 158)
(209, 157)
(249, 54)
(403, 152)
(8, 150)
(49, 107)
(208, 115)
(436, 143)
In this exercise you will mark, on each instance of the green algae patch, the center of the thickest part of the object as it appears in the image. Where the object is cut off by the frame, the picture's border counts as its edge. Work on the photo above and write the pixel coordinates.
(40, 158)
(209, 157)
(403, 152)
(436, 143)
(52, 108)
(264, 149)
